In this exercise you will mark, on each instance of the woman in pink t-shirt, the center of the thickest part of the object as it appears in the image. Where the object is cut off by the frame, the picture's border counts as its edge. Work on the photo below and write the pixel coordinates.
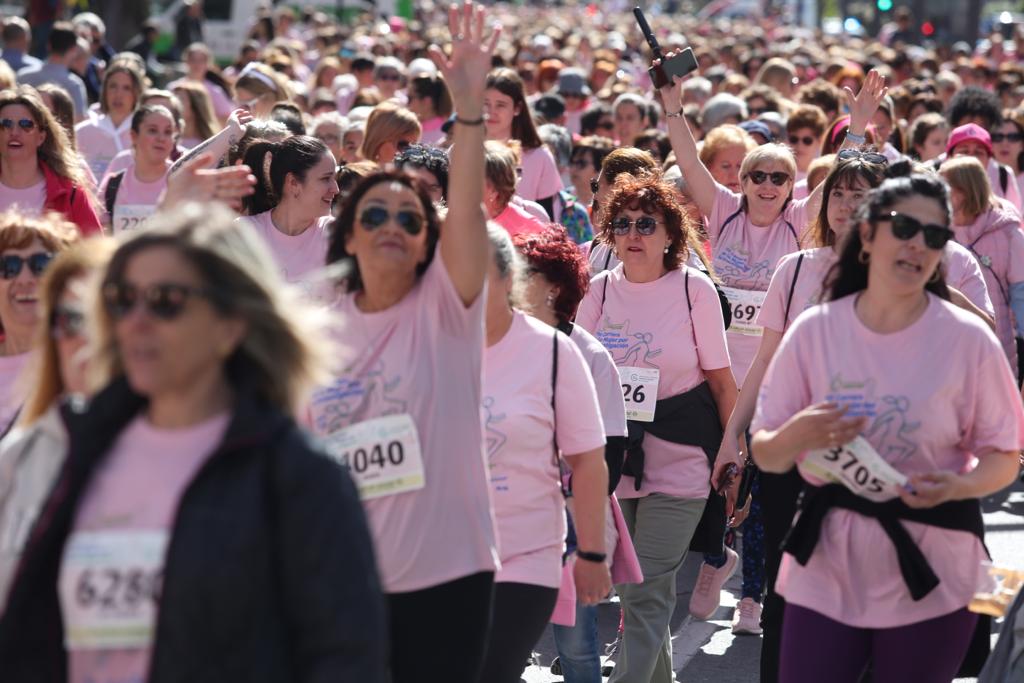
(509, 118)
(993, 234)
(539, 405)
(130, 197)
(407, 387)
(292, 209)
(500, 164)
(880, 566)
(102, 136)
(662, 323)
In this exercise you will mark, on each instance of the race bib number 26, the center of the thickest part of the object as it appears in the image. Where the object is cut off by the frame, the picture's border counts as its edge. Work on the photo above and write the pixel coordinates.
(858, 467)
(639, 392)
(382, 455)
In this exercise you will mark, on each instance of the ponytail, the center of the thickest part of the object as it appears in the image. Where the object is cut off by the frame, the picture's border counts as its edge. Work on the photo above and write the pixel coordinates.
(271, 162)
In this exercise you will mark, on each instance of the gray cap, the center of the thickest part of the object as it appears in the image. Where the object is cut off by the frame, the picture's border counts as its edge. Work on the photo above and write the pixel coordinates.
(572, 81)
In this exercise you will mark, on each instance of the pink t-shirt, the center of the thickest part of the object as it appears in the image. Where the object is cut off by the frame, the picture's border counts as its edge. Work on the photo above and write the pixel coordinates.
(395, 363)
(963, 272)
(136, 489)
(920, 421)
(606, 381)
(11, 394)
(518, 221)
(301, 256)
(28, 200)
(124, 159)
(649, 325)
(135, 202)
(997, 241)
(519, 431)
(744, 256)
(431, 131)
(1012, 192)
(540, 178)
(99, 141)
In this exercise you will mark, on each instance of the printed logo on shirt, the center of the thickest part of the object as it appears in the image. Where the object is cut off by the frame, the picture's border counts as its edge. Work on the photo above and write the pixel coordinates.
(494, 439)
(889, 428)
(349, 400)
(627, 349)
(733, 265)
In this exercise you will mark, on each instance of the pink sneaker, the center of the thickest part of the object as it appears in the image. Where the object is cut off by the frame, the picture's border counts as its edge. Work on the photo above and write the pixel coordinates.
(707, 591)
(746, 620)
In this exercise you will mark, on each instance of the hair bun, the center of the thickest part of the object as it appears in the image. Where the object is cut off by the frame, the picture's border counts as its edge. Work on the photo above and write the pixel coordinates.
(900, 169)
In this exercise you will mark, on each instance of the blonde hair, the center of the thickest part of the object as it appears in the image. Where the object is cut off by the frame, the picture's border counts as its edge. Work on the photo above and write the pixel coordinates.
(81, 259)
(7, 78)
(818, 169)
(777, 73)
(766, 154)
(501, 164)
(57, 152)
(285, 351)
(722, 137)
(967, 175)
(255, 83)
(388, 122)
(199, 102)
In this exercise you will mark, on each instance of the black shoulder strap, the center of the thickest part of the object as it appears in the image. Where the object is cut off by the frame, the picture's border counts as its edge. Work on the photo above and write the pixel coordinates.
(792, 288)
(110, 196)
(689, 306)
(1004, 177)
(792, 231)
(604, 289)
(728, 221)
(554, 413)
(565, 328)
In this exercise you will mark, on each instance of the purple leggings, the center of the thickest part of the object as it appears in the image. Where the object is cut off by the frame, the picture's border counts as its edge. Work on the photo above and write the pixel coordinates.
(816, 648)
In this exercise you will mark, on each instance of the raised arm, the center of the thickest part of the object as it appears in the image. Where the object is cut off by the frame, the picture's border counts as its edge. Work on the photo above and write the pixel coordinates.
(698, 178)
(217, 146)
(464, 244)
(863, 106)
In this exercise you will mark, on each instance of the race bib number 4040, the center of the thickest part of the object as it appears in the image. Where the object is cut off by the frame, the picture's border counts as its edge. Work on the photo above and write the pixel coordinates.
(858, 467)
(383, 455)
(110, 585)
(745, 305)
(640, 392)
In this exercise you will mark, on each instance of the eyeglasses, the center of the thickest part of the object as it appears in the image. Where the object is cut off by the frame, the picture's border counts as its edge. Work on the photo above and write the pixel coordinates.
(374, 217)
(12, 264)
(67, 322)
(593, 185)
(905, 227)
(645, 225)
(778, 177)
(24, 124)
(870, 157)
(806, 140)
(165, 300)
(1007, 137)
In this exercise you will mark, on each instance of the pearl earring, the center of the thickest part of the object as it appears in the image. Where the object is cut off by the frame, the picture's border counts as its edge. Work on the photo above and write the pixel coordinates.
(666, 250)
(550, 299)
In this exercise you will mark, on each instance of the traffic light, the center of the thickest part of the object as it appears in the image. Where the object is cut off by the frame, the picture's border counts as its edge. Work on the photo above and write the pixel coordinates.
(884, 5)
(927, 29)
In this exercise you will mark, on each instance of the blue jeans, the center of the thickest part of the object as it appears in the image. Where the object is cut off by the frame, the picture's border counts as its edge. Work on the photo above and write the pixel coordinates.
(578, 647)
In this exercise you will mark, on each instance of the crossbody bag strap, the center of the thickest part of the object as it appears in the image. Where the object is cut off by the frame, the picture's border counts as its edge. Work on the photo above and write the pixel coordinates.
(554, 415)
(792, 288)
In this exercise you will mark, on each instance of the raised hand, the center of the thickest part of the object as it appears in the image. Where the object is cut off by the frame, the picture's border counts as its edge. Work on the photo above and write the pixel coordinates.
(237, 122)
(864, 105)
(197, 183)
(671, 94)
(466, 70)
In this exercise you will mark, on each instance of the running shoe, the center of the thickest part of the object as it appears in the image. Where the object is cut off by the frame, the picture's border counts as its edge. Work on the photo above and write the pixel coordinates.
(708, 591)
(746, 620)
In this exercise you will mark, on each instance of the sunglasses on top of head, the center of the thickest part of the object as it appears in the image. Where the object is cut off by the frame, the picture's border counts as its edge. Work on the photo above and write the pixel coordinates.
(374, 217)
(904, 228)
(165, 300)
(778, 178)
(870, 157)
(12, 264)
(645, 225)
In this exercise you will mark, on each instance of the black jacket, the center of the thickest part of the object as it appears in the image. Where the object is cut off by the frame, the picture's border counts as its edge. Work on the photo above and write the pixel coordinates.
(269, 576)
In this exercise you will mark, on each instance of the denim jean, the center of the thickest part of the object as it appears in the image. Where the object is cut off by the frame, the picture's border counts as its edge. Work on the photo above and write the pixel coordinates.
(578, 649)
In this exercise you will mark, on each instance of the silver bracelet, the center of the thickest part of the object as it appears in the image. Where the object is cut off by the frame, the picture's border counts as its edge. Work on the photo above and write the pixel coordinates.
(856, 139)
(674, 115)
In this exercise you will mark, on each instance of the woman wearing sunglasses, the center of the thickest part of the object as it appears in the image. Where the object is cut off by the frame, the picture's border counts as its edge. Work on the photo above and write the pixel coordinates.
(199, 534)
(27, 245)
(1008, 146)
(539, 406)
(662, 322)
(880, 566)
(292, 209)
(39, 168)
(102, 136)
(390, 130)
(992, 232)
(34, 450)
(403, 408)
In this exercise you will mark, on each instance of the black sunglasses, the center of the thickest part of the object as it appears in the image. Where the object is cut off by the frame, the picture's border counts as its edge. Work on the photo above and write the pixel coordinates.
(905, 227)
(593, 185)
(165, 300)
(778, 178)
(757, 111)
(579, 163)
(24, 124)
(67, 322)
(606, 125)
(1008, 137)
(870, 157)
(645, 225)
(12, 264)
(375, 216)
(807, 140)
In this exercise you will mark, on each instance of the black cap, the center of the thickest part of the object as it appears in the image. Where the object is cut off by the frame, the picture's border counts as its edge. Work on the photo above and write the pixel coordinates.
(550, 106)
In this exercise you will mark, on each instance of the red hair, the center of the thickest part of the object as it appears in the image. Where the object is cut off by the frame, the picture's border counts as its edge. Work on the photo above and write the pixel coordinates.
(555, 256)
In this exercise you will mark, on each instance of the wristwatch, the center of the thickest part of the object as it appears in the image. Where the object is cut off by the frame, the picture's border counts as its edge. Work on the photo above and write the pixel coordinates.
(591, 557)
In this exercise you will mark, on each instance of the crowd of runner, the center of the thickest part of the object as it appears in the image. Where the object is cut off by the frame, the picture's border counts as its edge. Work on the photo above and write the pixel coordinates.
(403, 333)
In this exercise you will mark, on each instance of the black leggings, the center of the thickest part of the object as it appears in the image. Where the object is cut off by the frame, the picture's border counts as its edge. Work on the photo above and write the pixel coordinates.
(521, 611)
(425, 624)
(779, 493)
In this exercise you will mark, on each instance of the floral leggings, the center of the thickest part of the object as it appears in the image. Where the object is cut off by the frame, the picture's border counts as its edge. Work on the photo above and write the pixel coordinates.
(753, 546)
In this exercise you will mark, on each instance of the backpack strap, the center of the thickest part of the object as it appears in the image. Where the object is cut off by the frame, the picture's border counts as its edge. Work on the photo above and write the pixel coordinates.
(792, 288)
(566, 492)
(1004, 177)
(728, 221)
(792, 231)
(110, 195)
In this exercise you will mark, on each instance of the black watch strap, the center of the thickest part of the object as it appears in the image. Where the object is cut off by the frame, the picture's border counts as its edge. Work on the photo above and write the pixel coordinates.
(591, 557)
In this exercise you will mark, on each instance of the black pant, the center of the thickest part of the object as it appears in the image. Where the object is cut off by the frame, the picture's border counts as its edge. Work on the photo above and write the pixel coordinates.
(779, 494)
(426, 623)
(521, 611)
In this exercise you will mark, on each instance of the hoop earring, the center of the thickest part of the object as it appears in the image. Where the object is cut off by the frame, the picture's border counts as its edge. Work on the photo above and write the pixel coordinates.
(863, 257)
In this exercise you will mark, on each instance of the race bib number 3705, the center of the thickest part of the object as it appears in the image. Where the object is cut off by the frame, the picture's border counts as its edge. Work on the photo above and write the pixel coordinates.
(383, 455)
(858, 467)
(745, 305)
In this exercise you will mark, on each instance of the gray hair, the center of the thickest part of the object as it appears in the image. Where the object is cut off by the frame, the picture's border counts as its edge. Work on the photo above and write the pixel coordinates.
(331, 117)
(91, 20)
(630, 98)
(559, 140)
(504, 253)
(699, 87)
(719, 109)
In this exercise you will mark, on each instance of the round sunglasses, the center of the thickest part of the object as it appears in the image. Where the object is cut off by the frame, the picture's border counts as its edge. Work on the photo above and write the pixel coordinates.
(806, 140)
(24, 124)
(374, 217)
(904, 228)
(12, 264)
(870, 157)
(164, 300)
(645, 225)
(778, 178)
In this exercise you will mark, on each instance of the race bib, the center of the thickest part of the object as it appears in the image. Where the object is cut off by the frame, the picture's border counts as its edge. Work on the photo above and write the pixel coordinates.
(858, 467)
(745, 305)
(131, 217)
(640, 392)
(382, 455)
(110, 587)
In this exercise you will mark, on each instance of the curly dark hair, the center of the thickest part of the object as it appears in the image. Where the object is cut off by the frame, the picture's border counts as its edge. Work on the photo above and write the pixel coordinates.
(553, 254)
(344, 224)
(432, 159)
(973, 102)
(651, 194)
